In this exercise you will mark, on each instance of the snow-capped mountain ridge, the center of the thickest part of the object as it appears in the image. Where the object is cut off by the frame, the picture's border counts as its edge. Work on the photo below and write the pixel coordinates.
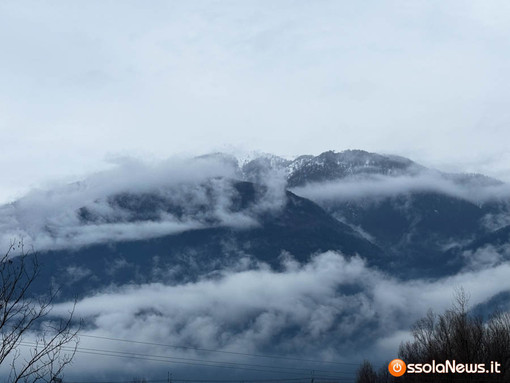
(331, 166)
(387, 209)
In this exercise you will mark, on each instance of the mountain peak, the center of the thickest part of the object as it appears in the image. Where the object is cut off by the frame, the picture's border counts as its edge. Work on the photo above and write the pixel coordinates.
(333, 165)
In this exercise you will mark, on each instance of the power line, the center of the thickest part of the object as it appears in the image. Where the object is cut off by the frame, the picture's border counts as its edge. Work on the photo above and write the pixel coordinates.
(219, 351)
(120, 354)
(215, 362)
(200, 362)
(165, 359)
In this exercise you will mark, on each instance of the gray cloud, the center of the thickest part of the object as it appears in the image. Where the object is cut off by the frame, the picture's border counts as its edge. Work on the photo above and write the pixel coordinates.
(200, 189)
(295, 78)
(377, 187)
(202, 194)
(495, 221)
(331, 308)
(486, 256)
(85, 82)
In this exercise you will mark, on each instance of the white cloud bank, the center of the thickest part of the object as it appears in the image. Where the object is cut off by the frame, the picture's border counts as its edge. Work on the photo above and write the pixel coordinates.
(200, 189)
(377, 187)
(202, 193)
(331, 309)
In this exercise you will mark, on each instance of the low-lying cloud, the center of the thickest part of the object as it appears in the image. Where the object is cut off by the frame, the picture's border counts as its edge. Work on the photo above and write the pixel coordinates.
(201, 192)
(179, 195)
(332, 308)
(376, 187)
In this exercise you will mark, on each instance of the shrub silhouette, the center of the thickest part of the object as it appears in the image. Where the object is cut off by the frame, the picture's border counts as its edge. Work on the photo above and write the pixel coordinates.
(454, 335)
(367, 374)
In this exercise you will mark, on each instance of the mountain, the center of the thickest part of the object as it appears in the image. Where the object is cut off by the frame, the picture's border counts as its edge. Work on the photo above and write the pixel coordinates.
(400, 217)
(323, 258)
(487, 250)
(496, 238)
(416, 228)
(300, 227)
(417, 222)
(331, 166)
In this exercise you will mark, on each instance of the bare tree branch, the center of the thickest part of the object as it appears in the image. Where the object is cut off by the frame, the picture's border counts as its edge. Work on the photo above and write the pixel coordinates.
(25, 316)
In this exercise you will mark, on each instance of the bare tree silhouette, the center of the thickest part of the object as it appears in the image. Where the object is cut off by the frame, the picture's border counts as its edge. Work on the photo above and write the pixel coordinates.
(34, 346)
(454, 335)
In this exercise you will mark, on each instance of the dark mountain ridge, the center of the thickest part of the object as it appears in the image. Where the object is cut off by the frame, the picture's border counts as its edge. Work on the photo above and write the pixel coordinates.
(300, 228)
(331, 165)
(252, 217)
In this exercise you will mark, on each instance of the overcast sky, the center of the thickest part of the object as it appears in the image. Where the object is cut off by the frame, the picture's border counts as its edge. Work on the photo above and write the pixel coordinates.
(84, 82)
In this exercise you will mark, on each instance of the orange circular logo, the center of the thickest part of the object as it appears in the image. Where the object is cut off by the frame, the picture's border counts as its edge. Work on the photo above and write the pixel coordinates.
(397, 367)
